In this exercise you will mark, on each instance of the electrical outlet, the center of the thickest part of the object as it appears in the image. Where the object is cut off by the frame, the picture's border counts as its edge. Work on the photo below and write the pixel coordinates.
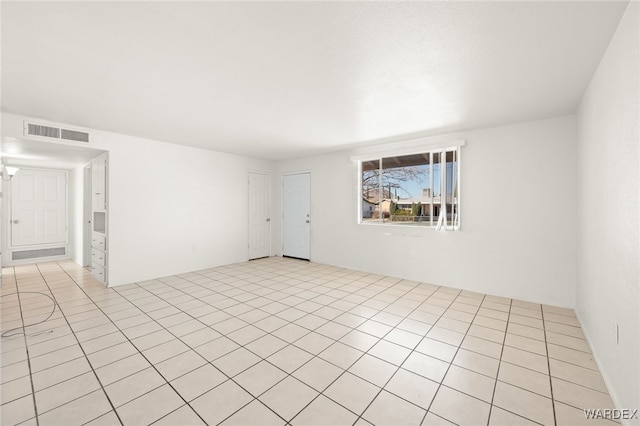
(616, 333)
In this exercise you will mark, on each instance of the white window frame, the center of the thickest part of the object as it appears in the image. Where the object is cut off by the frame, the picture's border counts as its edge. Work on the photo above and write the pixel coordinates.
(430, 150)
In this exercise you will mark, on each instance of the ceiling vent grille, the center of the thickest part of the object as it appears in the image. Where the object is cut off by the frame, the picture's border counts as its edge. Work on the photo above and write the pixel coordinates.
(74, 135)
(46, 131)
(33, 129)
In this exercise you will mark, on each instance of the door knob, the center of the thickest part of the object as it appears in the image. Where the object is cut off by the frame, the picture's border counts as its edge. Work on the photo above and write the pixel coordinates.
(307, 221)
(16, 221)
(268, 219)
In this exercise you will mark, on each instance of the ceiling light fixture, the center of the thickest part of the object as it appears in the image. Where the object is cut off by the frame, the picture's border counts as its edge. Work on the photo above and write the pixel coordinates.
(9, 171)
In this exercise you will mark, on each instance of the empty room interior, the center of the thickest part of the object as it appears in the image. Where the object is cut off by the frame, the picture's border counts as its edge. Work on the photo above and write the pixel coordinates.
(320, 213)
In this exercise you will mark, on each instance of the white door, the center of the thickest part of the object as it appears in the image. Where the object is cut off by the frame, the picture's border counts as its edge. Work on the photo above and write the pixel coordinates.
(38, 207)
(296, 220)
(259, 215)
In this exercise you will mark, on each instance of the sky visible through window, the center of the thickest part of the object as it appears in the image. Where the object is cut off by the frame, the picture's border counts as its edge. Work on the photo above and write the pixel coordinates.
(414, 188)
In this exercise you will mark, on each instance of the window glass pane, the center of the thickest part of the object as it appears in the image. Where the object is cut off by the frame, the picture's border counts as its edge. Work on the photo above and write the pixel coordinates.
(370, 191)
(418, 189)
(448, 191)
(408, 187)
(452, 188)
(437, 187)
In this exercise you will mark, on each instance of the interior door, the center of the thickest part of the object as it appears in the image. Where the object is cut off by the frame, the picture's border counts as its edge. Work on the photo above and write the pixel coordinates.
(38, 207)
(259, 215)
(296, 220)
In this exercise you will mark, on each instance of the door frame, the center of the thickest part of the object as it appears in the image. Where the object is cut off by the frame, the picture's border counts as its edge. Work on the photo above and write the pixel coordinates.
(9, 241)
(299, 172)
(268, 175)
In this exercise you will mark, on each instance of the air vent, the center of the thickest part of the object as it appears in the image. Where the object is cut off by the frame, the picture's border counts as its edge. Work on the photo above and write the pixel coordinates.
(74, 135)
(35, 254)
(46, 131)
(32, 129)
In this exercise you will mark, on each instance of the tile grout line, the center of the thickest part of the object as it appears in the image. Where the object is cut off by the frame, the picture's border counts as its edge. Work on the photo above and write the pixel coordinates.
(321, 393)
(359, 416)
(121, 332)
(228, 378)
(328, 287)
(194, 348)
(26, 345)
(287, 374)
(80, 343)
(546, 347)
(352, 329)
(440, 384)
(412, 351)
(294, 305)
(80, 346)
(289, 344)
(139, 351)
(495, 385)
(327, 305)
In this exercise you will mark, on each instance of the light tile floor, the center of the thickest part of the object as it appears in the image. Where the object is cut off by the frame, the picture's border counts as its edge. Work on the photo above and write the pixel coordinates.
(281, 341)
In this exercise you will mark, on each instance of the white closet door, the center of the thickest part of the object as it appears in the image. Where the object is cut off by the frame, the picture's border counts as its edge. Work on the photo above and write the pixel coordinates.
(296, 223)
(38, 207)
(259, 215)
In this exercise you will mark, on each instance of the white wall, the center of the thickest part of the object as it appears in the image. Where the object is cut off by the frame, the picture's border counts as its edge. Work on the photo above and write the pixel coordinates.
(518, 217)
(608, 206)
(172, 208)
(76, 213)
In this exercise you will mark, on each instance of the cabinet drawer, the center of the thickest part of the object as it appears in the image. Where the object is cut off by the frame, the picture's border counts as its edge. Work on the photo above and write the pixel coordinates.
(98, 257)
(99, 241)
(98, 272)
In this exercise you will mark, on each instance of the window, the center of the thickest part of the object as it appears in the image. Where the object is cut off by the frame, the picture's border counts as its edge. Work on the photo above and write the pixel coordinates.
(417, 189)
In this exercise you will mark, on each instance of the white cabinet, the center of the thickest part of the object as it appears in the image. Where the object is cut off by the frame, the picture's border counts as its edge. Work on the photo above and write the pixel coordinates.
(99, 242)
(99, 257)
(99, 182)
(99, 245)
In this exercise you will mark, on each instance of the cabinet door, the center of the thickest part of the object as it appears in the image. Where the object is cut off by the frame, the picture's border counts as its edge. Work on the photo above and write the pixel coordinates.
(98, 183)
(99, 272)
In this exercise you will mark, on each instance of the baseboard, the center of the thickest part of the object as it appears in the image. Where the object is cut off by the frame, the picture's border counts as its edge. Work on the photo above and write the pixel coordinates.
(607, 382)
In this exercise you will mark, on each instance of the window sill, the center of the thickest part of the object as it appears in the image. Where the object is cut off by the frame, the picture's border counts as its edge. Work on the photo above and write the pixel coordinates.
(408, 225)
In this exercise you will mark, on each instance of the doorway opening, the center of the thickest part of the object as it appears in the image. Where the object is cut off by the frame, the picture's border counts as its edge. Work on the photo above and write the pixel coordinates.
(47, 199)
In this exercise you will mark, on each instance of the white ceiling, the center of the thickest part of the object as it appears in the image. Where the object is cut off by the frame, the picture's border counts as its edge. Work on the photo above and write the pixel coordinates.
(283, 79)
